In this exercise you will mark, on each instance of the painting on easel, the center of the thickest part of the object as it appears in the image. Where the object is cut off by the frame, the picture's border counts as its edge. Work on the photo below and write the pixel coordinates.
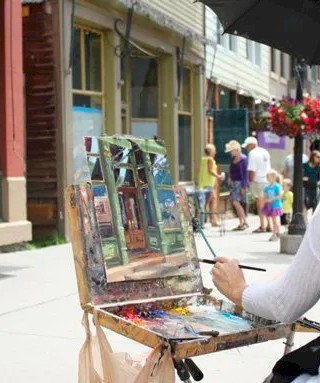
(143, 225)
(135, 256)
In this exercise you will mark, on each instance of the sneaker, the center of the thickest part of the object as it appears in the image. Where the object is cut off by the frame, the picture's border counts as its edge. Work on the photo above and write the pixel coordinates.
(273, 238)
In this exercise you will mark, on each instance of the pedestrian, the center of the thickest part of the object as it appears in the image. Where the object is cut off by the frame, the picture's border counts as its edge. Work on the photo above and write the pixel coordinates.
(238, 181)
(287, 202)
(311, 181)
(284, 299)
(258, 167)
(288, 171)
(273, 203)
(207, 183)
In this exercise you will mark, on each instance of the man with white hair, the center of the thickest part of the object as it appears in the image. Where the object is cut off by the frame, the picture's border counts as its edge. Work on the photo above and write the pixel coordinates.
(258, 167)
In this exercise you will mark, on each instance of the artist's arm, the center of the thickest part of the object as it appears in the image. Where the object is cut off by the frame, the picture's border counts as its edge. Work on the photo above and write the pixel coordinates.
(286, 298)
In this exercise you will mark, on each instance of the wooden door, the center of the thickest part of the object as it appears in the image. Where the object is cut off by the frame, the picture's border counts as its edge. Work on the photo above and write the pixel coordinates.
(132, 218)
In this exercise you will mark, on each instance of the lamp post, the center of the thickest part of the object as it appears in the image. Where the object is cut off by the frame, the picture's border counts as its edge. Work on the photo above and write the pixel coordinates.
(297, 225)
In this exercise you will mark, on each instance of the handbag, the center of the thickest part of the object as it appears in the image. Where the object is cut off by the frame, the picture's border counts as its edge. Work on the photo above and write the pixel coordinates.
(99, 364)
(305, 359)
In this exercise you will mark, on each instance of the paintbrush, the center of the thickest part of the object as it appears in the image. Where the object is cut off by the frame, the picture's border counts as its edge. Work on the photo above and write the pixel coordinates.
(213, 261)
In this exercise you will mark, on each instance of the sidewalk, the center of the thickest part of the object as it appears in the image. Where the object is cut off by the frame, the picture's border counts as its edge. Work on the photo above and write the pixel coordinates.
(40, 315)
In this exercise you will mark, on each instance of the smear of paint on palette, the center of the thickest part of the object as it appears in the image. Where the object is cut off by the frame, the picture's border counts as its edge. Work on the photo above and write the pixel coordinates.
(186, 322)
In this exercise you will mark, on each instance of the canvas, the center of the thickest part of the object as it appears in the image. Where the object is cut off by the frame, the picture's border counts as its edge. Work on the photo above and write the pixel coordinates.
(135, 255)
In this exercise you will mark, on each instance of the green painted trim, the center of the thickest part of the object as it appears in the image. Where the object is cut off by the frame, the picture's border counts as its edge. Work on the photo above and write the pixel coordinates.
(150, 146)
(106, 167)
(122, 142)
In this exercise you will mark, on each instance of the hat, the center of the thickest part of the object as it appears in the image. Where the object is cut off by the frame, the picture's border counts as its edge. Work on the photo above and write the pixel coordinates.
(232, 145)
(249, 141)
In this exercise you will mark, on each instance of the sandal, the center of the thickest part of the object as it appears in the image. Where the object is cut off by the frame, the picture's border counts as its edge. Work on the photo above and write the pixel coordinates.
(240, 228)
(259, 230)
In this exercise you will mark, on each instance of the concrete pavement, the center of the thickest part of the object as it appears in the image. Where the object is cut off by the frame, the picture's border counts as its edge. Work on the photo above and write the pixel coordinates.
(40, 316)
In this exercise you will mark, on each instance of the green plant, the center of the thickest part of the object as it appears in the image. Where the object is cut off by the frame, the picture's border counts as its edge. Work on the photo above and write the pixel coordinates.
(44, 242)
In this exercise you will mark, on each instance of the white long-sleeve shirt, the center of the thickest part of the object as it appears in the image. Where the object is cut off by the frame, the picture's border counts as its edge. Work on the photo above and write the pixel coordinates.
(289, 297)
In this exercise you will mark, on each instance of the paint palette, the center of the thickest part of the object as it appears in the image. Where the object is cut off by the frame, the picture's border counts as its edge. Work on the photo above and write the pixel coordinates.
(134, 254)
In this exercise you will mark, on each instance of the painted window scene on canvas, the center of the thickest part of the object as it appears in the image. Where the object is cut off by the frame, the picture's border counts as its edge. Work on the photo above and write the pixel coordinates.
(145, 233)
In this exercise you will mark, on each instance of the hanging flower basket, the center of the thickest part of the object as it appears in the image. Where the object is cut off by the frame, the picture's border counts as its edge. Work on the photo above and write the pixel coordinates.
(288, 118)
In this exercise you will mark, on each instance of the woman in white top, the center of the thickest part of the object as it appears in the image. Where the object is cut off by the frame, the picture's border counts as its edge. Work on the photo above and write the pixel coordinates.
(285, 299)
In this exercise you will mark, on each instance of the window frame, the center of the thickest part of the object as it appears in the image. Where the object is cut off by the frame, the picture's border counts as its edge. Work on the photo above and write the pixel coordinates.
(126, 103)
(83, 91)
(273, 60)
(227, 41)
(251, 53)
(282, 65)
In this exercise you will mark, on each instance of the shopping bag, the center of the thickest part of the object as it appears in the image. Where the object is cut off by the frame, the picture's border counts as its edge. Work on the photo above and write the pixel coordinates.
(99, 364)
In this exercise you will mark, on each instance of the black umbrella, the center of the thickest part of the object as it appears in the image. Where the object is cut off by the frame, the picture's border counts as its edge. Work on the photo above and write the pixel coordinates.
(292, 26)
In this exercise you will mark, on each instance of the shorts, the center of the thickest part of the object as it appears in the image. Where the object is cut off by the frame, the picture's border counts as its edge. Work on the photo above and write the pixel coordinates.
(235, 192)
(257, 188)
(203, 196)
(270, 211)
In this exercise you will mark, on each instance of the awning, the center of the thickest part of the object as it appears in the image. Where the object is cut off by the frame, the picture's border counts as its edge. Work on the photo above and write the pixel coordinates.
(144, 9)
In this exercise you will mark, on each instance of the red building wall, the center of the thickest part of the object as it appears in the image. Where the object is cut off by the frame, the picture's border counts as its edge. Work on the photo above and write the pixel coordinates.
(11, 89)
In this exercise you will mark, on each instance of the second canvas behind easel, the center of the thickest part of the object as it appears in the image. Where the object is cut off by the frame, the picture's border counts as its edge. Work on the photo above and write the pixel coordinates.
(143, 220)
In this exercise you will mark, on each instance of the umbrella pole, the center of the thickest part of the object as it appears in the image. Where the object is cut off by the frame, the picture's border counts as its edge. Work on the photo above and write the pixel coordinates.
(297, 225)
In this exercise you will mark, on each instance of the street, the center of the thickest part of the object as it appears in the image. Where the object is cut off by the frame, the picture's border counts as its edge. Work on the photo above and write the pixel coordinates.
(40, 315)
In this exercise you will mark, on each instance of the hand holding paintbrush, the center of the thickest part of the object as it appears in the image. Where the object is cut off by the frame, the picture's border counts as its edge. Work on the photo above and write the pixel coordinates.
(229, 279)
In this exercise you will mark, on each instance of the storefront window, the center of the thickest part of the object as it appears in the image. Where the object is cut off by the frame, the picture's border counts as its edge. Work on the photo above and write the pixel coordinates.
(144, 88)
(185, 148)
(87, 101)
(92, 46)
(185, 94)
(88, 92)
(87, 60)
(185, 126)
(76, 65)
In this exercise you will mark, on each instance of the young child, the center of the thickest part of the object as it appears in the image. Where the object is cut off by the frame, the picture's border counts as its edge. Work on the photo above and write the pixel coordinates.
(287, 202)
(273, 202)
